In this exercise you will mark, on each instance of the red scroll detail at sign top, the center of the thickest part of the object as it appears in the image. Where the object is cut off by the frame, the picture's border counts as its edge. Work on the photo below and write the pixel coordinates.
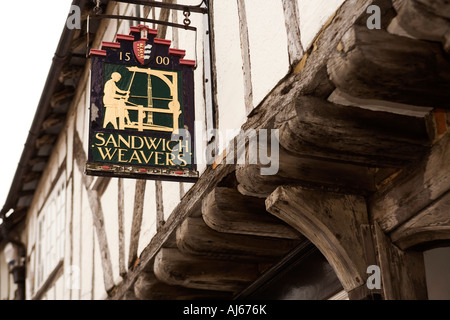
(177, 52)
(139, 42)
(115, 45)
(124, 37)
(186, 62)
(162, 41)
(98, 52)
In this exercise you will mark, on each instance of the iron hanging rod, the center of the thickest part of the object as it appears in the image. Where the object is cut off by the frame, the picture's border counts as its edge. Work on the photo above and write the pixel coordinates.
(173, 6)
(165, 23)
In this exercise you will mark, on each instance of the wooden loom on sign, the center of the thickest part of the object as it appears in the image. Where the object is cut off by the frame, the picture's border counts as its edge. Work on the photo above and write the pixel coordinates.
(174, 104)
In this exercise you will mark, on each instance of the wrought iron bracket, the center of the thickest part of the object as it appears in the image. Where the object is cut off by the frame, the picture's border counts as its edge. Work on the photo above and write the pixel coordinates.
(197, 9)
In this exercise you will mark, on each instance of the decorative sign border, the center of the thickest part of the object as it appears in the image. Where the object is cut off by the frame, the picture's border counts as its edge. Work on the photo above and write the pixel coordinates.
(141, 109)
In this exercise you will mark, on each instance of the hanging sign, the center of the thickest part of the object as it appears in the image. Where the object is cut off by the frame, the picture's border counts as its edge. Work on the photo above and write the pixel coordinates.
(141, 109)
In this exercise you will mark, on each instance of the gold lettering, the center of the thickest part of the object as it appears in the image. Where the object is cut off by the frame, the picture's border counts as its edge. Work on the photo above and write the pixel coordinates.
(135, 156)
(186, 146)
(168, 145)
(162, 60)
(169, 162)
(152, 143)
(107, 154)
(111, 140)
(121, 155)
(133, 142)
(180, 158)
(146, 159)
(157, 154)
(125, 142)
(99, 136)
(127, 56)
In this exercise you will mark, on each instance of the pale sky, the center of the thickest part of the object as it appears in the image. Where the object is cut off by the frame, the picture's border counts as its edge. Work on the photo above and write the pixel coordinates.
(30, 32)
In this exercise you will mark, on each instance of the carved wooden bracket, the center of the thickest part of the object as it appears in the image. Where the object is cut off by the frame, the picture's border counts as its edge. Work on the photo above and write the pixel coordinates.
(332, 222)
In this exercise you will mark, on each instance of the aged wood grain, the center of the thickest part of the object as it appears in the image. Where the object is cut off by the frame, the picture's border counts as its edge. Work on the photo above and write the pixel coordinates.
(121, 226)
(332, 222)
(430, 225)
(195, 238)
(190, 203)
(148, 287)
(426, 82)
(352, 134)
(227, 210)
(414, 189)
(175, 268)
(136, 224)
(292, 22)
(97, 214)
(308, 171)
(402, 273)
(417, 19)
(245, 52)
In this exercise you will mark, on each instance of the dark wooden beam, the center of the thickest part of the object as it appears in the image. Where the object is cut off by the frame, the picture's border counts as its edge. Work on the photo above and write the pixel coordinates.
(420, 21)
(310, 171)
(175, 268)
(414, 188)
(427, 227)
(352, 134)
(195, 238)
(138, 211)
(227, 210)
(148, 287)
(407, 70)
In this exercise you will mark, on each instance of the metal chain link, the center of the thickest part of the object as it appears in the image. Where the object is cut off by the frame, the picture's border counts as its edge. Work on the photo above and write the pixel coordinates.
(186, 20)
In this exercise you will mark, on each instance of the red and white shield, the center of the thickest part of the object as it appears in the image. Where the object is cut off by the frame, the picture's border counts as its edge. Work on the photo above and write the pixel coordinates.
(139, 51)
(142, 51)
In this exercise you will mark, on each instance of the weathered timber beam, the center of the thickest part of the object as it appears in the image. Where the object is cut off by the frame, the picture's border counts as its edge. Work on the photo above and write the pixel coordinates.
(227, 210)
(148, 287)
(333, 223)
(309, 171)
(414, 189)
(375, 64)
(175, 268)
(352, 134)
(428, 226)
(136, 225)
(195, 238)
(402, 272)
(438, 7)
(190, 204)
(415, 18)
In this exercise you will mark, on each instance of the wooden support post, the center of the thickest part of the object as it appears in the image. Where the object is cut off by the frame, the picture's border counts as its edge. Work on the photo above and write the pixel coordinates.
(97, 215)
(403, 273)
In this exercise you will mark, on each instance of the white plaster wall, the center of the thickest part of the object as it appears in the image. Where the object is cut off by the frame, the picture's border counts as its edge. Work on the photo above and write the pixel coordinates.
(268, 46)
(230, 81)
(313, 15)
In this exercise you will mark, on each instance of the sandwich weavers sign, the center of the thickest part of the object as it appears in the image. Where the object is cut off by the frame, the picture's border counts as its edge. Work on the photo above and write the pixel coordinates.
(141, 109)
